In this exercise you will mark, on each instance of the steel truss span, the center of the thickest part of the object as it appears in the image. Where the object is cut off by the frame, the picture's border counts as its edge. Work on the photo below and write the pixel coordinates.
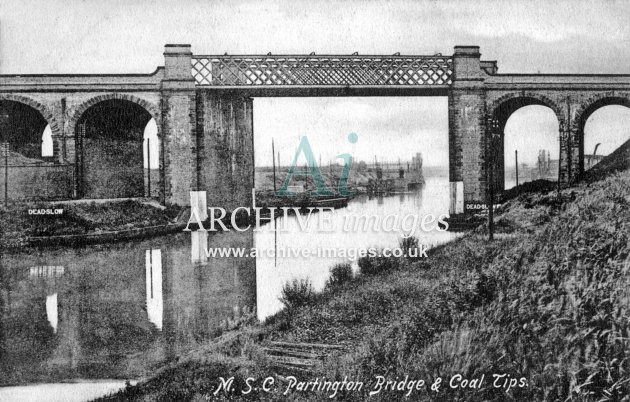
(312, 70)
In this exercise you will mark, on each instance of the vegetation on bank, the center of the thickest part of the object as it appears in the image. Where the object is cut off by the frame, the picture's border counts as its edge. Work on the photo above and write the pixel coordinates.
(79, 218)
(548, 301)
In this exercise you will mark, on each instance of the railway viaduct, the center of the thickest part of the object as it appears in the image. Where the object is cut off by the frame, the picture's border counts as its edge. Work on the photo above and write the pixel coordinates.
(202, 106)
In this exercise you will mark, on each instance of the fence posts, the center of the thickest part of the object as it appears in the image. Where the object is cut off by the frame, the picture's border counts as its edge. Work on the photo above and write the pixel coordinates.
(516, 161)
(5, 153)
(149, 166)
(492, 135)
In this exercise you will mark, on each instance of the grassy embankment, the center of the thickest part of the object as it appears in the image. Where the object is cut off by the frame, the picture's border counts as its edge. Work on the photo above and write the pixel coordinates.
(79, 219)
(548, 300)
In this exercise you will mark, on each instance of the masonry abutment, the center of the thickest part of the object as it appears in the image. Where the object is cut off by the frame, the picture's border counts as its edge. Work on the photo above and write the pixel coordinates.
(179, 136)
(466, 108)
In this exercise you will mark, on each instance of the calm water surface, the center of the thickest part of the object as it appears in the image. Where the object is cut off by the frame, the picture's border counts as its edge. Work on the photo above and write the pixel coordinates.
(122, 310)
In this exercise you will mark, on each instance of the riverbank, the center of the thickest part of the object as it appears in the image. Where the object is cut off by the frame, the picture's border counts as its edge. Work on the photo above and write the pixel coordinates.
(73, 223)
(545, 303)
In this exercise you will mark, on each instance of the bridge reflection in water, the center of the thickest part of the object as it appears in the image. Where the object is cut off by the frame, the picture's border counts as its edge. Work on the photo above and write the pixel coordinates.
(118, 311)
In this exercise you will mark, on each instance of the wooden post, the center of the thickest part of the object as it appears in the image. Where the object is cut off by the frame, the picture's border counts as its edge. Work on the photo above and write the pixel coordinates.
(149, 166)
(516, 159)
(569, 167)
(490, 158)
(569, 145)
(5, 150)
(562, 132)
(78, 162)
(273, 157)
(491, 197)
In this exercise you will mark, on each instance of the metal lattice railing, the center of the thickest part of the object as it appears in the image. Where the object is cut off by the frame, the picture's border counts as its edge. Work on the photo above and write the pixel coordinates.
(311, 70)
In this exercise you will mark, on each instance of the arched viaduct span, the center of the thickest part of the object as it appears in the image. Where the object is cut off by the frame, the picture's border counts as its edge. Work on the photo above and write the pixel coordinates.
(203, 109)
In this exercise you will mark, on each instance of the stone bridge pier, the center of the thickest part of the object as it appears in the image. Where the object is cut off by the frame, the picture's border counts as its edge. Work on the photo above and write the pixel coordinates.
(208, 137)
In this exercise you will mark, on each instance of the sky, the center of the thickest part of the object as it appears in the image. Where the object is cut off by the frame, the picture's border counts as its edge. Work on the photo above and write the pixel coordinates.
(389, 128)
(116, 36)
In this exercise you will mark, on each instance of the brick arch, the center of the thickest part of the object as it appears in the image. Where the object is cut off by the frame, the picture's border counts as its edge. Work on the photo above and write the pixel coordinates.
(152, 109)
(596, 102)
(586, 109)
(494, 110)
(542, 99)
(41, 108)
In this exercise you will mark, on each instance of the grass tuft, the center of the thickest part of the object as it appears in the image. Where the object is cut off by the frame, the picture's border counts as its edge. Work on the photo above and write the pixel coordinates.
(297, 293)
(340, 274)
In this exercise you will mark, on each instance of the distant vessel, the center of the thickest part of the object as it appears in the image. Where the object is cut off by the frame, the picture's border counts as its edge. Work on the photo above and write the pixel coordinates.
(415, 177)
(410, 180)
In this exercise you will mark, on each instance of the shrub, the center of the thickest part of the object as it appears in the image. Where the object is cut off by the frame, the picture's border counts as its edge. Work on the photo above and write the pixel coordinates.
(339, 274)
(377, 264)
(407, 244)
(296, 293)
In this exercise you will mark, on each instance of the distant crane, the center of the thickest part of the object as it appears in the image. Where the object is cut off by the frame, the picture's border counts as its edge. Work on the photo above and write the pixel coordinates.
(590, 160)
(596, 146)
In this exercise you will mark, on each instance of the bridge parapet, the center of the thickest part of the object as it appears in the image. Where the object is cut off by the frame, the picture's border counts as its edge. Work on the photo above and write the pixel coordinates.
(566, 82)
(81, 82)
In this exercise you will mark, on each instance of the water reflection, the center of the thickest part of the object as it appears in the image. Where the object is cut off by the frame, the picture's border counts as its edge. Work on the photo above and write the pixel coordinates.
(51, 311)
(155, 301)
(119, 311)
(198, 242)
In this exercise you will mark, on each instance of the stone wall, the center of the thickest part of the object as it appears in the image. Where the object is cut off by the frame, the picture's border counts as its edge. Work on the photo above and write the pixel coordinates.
(112, 169)
(466, 108)
(179, 143)
(35, 183)
(466, 120)
(226, 152)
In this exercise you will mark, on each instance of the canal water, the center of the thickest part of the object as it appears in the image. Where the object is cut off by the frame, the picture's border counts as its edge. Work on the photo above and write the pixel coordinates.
(119, 311)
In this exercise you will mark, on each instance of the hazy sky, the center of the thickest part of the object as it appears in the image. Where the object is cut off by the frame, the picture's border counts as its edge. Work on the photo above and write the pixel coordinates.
(96, 36)
(388, 128)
